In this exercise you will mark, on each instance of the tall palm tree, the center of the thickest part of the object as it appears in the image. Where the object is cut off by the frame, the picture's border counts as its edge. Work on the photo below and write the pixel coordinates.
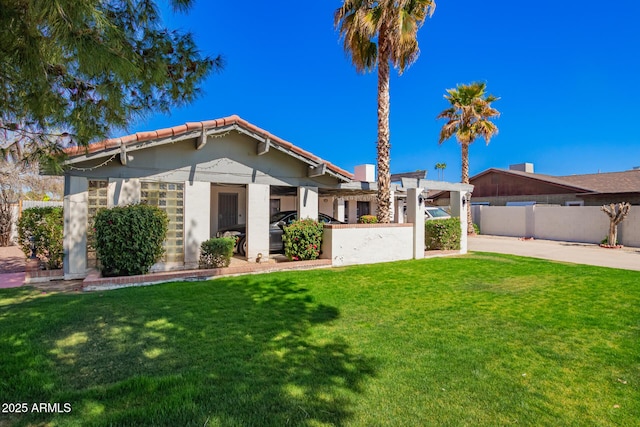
(469, 117)
(380, 33)
(440, 167)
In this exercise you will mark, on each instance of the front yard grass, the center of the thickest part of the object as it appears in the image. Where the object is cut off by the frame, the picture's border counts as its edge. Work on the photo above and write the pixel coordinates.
(482, 339)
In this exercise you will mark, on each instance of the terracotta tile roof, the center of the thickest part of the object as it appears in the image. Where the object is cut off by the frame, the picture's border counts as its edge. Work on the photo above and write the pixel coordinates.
(192, 126)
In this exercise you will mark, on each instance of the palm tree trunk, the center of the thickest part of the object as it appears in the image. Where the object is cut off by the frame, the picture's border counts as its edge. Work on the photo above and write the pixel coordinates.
(465, 180)
(384, 174)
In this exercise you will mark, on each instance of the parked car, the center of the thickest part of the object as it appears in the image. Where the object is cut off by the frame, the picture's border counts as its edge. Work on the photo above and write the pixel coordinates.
(277, 222)
(434, 212)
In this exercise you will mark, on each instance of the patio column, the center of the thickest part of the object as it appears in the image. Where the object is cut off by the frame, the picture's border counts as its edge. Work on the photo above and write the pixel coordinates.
(75, 227)
(459, 206)
(307, 202)
(197, 205)
(399, 211)
(353, 210)
(338, 209)
(257, 222)
(415, 215)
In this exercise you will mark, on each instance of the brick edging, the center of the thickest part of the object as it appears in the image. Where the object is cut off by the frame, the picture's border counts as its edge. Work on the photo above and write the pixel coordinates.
(93, 282)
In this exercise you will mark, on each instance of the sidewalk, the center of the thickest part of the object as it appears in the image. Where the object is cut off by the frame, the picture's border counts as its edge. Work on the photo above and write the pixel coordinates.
(12, 266)
(578, 253)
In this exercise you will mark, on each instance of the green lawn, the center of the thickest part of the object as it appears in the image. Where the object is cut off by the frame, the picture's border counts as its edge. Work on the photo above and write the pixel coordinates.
(482, 339)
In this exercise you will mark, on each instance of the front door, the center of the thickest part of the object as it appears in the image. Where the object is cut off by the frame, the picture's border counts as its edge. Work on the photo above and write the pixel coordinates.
(227, 209)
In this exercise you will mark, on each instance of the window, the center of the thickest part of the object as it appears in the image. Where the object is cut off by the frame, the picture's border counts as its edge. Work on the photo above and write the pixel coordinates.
(575, 203)
(170, 198)
(96, 199)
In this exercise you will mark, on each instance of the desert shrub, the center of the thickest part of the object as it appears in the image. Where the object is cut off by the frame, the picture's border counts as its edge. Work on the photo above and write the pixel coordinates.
(46, 226)
(128, 239)
(442, 234)
(216, 252)
(302, 239)
(368, 219)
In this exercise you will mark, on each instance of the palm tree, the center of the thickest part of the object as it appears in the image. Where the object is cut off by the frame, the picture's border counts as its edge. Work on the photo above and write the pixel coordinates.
(469, 117)
(440, 167)
(380, 33)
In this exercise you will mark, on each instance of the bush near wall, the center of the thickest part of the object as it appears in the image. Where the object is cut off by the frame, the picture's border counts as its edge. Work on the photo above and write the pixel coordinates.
(442, 234)
(216, 252)
(368, 219)
(128, 239)
(302, 239)
(46, 226)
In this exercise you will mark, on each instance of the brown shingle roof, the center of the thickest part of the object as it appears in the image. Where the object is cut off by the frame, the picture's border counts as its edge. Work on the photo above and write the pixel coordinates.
(191, 126)
(611, 182)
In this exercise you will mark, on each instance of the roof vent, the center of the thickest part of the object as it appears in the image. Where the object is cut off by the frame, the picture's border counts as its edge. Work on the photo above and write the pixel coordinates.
(522, 167)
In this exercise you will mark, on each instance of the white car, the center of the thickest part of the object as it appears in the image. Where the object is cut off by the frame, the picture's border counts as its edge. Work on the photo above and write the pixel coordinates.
(434, 212)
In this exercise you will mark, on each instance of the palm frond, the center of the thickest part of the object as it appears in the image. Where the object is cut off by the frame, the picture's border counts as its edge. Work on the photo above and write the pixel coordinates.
(471, 108)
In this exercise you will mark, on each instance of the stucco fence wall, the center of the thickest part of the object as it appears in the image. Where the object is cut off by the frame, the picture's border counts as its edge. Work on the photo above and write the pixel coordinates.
(350, 244)
(586, 224)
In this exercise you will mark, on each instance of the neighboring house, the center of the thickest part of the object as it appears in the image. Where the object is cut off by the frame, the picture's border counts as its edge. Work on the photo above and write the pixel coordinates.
(205, 176)
(520, 185)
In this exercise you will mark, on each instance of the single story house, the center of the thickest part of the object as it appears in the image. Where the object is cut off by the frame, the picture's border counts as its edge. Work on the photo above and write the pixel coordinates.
(208, 175)
(520, 185)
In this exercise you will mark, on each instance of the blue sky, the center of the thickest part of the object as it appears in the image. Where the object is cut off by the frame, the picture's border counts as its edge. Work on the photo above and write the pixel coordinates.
(567, 73)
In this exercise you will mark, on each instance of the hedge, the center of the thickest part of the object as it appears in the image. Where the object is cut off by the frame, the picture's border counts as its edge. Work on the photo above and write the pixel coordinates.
(302, 239)
(46, 226)
(128, 239)
(442, 234)
(216, 252)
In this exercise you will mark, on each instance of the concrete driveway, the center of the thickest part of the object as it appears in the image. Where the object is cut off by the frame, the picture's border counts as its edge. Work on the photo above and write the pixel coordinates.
(578, 253)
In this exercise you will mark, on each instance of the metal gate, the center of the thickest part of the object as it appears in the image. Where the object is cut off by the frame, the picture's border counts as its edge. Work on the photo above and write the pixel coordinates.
(227, 209)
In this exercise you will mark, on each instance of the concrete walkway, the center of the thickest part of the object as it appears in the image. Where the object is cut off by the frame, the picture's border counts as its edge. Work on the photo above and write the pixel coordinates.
(12, 266)
(578, 253)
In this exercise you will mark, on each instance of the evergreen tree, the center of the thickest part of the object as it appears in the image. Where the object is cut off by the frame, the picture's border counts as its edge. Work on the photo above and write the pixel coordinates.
(71, 70)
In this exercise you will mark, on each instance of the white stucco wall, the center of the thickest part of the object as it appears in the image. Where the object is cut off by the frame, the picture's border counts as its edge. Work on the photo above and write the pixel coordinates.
(122, 192)
(307, 202)
(367, 243)
(571, 223)
(287, 203)
(325, 205)
(197, 219)
(629, 229)
(586, 224)
(503, 220)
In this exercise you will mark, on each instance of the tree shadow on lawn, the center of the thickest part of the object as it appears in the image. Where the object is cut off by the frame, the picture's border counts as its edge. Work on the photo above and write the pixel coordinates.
(227, 352)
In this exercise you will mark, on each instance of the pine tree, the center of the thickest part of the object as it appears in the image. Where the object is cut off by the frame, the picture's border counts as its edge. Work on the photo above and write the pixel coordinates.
(72, 70)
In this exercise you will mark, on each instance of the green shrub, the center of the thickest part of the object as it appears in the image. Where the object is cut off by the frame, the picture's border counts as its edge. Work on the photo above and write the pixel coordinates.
(368, 219)
(302, 239)
(217, 252)
(128, 239)
(442, 234)
(46, 226)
